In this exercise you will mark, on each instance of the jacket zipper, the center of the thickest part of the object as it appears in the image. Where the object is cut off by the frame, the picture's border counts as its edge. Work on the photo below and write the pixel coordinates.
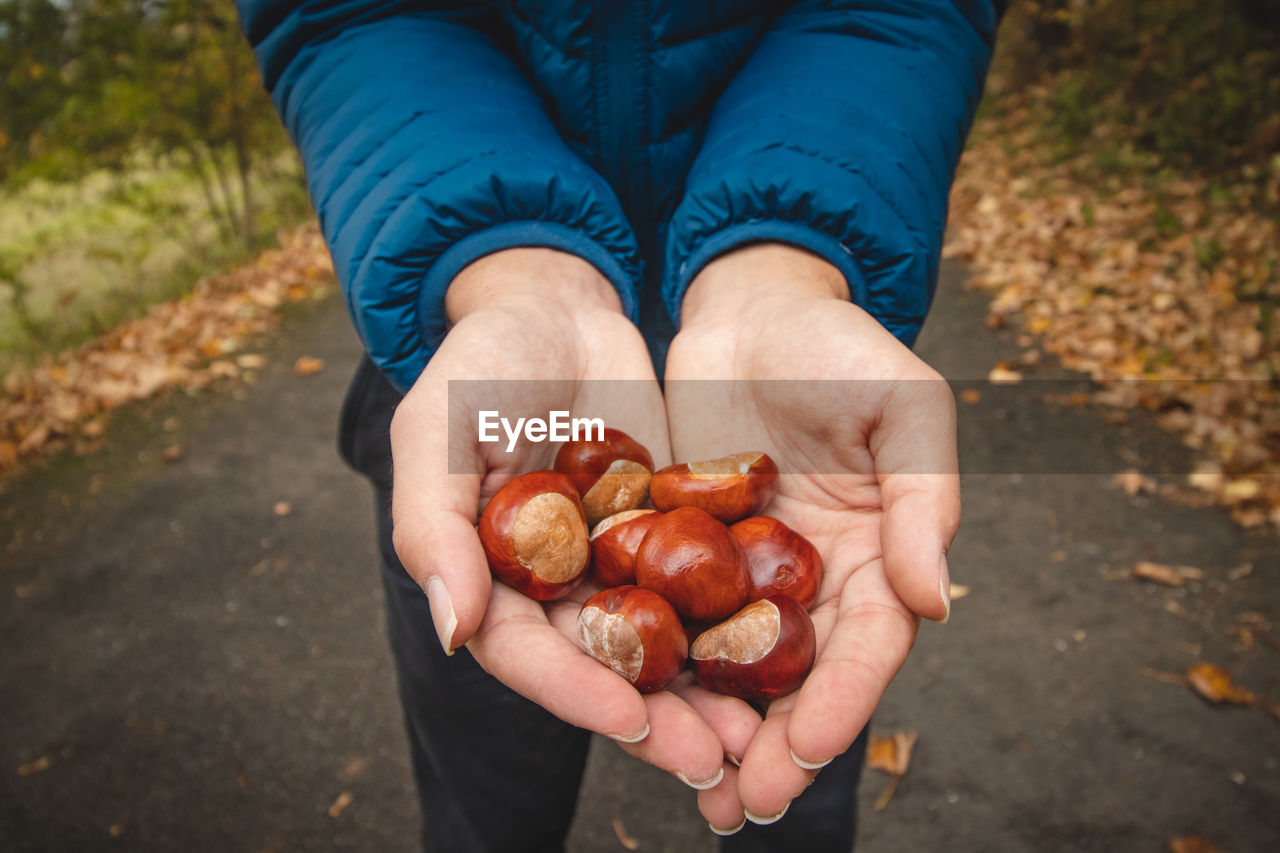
(621, 160)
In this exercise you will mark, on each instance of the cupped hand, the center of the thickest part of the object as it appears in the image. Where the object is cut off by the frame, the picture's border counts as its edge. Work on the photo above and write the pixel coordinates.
(772, 356)
(535, 331)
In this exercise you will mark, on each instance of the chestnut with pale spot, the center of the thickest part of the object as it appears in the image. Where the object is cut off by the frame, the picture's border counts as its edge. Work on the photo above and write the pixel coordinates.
(729, 488)
(636, 633)
(614, 543)
(534, 535)
(611, 474)
(763, 651)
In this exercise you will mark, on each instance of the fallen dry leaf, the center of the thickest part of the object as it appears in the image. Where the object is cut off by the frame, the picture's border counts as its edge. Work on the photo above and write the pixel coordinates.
(1133, 482)
(340, 804)
(32, 767)
(250, 361)
(958, 591)
(282, 508)
(1207, 478)
(1163, 677)
(1168, 575)
(307, 365)
(1191, 844)
(625, 838)
(891, 754)
(972, 396)
(1214, 683)
(172, 453)
(1240, 572)
(1003, 375)
(116, 830)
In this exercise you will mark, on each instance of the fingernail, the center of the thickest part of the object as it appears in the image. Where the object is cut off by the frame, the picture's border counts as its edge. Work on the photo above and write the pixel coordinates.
(733, 759)
(765, 821)
(704, 785)
(644, 733)
(441, 603)
(944, 587)
(810, 765)
(729, 831)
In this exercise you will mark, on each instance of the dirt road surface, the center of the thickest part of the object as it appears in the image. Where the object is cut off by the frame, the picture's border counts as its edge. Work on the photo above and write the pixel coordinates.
(185, 669)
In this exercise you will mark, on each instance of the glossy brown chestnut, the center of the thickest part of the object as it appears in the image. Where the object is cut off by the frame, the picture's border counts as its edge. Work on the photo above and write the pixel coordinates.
(729, 488)
(764, 651)
(614, 543)
(612, 475)
(535, 535)
(694, 562)
(782, 561)
(636, 633)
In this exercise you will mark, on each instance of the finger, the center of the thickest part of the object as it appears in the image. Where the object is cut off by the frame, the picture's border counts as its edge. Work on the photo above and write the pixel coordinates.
(873, 633)
(733, 721)
(433, 513)
(679, 742)
(769, 779)
(720, 805)
(914, 446)
(517, 645)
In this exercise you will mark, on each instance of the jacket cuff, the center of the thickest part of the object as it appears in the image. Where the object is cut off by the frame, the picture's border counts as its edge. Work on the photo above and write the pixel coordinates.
(512, 235)
(736, 236)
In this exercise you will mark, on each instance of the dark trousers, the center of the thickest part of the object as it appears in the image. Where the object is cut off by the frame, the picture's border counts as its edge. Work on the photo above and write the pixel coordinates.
(494, 771)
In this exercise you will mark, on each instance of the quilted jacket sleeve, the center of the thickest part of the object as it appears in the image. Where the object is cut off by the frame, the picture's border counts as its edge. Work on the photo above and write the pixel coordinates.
(425, 149)
(841, 135)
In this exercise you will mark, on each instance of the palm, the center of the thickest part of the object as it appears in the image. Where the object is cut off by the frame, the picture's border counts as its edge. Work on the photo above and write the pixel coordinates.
(813, 388)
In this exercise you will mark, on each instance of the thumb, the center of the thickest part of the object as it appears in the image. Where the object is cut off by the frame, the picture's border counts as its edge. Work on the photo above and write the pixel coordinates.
(433, 514)
(441, 551)
(914, 447)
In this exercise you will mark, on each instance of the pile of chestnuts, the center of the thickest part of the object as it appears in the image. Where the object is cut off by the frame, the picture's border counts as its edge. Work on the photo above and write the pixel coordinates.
(701, 578)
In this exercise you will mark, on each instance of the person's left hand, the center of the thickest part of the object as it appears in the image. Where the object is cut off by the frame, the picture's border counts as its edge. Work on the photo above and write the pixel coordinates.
(869, 475)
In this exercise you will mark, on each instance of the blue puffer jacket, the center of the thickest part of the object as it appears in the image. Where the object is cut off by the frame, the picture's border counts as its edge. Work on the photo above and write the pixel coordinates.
(646, 136)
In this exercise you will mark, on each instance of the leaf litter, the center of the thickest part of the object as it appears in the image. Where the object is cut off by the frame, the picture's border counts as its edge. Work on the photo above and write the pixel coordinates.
(188, 344)
(1174, 284)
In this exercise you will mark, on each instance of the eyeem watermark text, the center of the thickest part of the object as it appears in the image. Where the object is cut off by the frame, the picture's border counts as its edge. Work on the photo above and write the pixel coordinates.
(557, 427)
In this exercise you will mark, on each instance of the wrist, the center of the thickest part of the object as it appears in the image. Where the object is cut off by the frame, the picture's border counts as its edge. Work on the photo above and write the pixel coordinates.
(530, 279)
(759, 279)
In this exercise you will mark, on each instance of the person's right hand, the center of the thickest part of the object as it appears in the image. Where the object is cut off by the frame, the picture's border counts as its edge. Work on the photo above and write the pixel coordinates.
(533, 329)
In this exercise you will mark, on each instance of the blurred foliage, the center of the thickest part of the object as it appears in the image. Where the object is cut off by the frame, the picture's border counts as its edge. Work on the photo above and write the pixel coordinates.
(117, 84)
(1179, 83)
(138, 151)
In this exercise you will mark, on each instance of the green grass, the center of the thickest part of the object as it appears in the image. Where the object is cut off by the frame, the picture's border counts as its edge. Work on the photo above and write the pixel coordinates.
(90, 255)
